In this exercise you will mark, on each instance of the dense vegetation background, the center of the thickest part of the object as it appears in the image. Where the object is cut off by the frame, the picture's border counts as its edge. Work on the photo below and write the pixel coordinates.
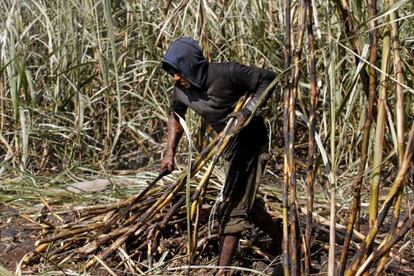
(81, 80)
(82, 92)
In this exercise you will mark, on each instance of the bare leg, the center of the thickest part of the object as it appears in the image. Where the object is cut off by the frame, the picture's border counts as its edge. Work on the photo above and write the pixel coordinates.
(262, 219)
(228, 244)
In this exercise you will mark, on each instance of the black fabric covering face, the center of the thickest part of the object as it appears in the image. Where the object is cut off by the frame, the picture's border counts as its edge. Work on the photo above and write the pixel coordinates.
(186, 57)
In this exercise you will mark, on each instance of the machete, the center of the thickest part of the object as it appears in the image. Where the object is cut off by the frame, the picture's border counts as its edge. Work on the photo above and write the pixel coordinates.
(163, 173)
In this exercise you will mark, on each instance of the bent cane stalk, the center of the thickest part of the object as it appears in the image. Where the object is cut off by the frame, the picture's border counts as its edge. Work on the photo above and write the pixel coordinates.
(223, 140)
(387, 244)
(398, 184)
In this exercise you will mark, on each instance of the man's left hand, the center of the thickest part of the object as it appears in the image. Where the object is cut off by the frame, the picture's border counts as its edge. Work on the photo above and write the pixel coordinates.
(240, 120)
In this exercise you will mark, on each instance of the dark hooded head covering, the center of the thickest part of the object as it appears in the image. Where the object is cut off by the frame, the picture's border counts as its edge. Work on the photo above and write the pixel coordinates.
(186, 57)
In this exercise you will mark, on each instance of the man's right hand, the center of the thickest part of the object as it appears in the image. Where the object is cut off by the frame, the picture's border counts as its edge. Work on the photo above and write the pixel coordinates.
(167, 163)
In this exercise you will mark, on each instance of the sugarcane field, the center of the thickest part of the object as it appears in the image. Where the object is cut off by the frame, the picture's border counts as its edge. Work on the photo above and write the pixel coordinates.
(202, 137)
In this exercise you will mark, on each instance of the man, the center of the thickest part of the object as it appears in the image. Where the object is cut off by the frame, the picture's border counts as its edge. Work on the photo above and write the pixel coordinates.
(212, 90)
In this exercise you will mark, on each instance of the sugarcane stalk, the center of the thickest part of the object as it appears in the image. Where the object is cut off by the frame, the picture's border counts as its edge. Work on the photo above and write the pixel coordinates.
(294, 220)
(194, 235)
(207, 175)
(100, 240)
(195, 206)
(380, 128)
(393, 229)
(332, 168)
(66, 233)
(348, 22)
(398, 183)
(310, 177)
(170, 213)
(196, 198)
(357, 183)
(84, 210)
(287, 254)
(399, 121)
(39, 249)
(149, 250)
(188, 191)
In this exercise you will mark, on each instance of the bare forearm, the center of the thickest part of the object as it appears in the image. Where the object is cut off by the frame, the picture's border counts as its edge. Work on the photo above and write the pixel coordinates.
(174, 133)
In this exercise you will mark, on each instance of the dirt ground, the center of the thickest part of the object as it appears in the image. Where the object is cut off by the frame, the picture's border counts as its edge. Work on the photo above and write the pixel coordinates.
(16, 238)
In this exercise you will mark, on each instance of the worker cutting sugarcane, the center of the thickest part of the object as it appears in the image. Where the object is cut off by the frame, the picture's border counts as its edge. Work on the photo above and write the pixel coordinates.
(213, 90)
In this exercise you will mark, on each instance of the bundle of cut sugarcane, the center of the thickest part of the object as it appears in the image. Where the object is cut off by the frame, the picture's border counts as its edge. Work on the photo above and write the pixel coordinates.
(119, 233)
(98, 233)
(142, 234)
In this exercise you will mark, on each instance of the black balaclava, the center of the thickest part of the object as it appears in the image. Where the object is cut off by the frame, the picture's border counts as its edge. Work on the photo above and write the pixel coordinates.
(186, 57)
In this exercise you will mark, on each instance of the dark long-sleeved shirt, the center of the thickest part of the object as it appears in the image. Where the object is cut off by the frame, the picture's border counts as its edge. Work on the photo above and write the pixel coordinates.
(225, 84)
